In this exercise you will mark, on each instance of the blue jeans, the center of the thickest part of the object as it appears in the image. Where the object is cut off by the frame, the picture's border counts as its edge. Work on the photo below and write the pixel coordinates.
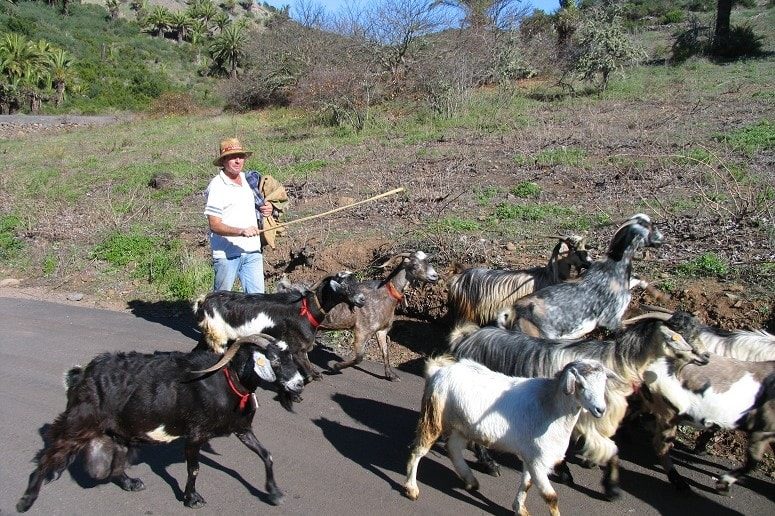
(249, 267)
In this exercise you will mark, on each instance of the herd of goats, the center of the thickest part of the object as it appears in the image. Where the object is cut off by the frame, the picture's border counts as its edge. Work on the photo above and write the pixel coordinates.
(517, 347)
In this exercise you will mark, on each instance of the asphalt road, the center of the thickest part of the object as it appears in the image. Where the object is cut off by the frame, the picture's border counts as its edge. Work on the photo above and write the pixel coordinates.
(343, 451)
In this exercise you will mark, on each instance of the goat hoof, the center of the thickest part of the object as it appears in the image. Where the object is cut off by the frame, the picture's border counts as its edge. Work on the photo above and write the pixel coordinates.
(393, 377)
(193, 500)
(612, 493)
(564, 477)
(678, 481)
(132, 484)
(276, 498)
(492, 469)
(473, 486)
(722, 487)
(24, 504)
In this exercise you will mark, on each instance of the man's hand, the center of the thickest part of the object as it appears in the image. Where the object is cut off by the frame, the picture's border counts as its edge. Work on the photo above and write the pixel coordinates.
(266, 209)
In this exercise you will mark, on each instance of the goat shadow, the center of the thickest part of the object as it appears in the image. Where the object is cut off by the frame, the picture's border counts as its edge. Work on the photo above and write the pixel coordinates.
(158, 457)
(176, 315)
(630, 439)
(386, 444)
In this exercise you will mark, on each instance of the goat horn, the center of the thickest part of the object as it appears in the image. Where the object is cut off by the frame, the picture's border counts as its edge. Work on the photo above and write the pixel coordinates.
(661, 316)
(259, 339)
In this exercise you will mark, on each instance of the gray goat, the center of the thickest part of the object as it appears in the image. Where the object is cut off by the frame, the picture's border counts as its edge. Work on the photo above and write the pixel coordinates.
(517, 354)
(599, 298)
(479, 294)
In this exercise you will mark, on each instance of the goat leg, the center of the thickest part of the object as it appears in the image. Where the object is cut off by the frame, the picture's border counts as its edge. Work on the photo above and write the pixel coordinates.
(360, 338)
(663, 443)
(383, 339)
(310, 373)
(190, 497)
(118, 474)
(562, 471)
(484, 458)
(701, 444)
(757, 443)
(611, 479)
(249, 439)
(53, 460)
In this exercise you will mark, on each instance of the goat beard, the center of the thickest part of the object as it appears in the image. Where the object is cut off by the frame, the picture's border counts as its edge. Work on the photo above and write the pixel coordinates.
(287, 399)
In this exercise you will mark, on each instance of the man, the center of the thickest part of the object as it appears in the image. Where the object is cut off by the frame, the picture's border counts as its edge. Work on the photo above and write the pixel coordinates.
(232, 210)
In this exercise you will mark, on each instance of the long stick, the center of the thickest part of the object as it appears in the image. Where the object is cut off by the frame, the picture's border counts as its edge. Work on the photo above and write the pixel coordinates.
(329, 212)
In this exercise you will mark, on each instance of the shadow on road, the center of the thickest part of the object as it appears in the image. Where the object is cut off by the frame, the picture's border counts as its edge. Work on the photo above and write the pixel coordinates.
(176, 315)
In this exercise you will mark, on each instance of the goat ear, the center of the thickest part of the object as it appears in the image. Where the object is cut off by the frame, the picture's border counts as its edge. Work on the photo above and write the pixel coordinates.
(570, 382)
(263, 367)
(674, 339)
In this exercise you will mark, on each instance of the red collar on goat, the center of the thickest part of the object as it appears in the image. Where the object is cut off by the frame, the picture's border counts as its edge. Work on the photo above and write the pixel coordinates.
(394, 293)
(306, 313)
(243, 397)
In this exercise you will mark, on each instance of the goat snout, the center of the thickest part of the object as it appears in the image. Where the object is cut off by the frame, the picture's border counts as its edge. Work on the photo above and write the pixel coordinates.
(655, 238)
(359, 300)
(597, 411)
(702, 359)
(295, 385)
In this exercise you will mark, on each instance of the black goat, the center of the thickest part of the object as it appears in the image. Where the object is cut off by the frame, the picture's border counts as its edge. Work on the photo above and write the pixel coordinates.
(121, 400)
(599, 298)
(292, 316)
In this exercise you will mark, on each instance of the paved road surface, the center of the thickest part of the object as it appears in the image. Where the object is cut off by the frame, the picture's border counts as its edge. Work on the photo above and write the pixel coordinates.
(342, 452)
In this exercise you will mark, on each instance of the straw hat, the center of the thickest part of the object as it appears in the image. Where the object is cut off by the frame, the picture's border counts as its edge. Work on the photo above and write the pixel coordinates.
(230, 147)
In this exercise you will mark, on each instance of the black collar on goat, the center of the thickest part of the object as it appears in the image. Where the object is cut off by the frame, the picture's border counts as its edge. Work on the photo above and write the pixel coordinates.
(120, 400)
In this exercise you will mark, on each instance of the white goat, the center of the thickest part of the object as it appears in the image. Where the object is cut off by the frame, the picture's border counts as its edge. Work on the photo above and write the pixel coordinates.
(469, 402)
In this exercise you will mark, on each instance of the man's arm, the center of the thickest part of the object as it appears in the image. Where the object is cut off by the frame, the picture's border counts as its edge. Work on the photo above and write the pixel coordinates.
(219, 228)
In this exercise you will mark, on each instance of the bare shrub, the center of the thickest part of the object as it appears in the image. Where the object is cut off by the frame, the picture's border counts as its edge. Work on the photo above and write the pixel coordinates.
(173, 103)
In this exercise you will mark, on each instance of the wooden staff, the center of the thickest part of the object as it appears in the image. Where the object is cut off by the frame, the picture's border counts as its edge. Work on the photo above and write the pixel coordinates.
(329, 212)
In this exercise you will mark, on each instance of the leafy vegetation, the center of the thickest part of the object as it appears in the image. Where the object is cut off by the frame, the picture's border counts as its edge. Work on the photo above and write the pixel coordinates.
(751, 138)
(708, 264)
(10, 244)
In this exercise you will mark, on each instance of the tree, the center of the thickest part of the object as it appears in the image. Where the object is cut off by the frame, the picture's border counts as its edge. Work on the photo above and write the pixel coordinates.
(62, 73)
(227, 49)
(723, 14)
(180, 22)
(159, 20)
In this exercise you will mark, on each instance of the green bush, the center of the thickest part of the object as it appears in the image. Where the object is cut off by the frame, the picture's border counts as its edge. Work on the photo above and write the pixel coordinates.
(742, 42)
(526, 189)
(708, 264)
(673, 16)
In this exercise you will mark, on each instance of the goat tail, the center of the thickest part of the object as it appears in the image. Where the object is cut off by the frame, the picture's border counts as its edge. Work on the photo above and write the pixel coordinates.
(460, 332)
(197, 307)
(430, 424)
(434, 364)
(72, 377)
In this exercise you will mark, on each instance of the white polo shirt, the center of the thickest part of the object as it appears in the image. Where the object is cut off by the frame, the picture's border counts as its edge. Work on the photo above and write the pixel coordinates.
(234, 204)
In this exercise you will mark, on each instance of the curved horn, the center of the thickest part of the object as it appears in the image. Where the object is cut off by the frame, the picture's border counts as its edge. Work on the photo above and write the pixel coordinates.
(661, 316)
(259, 339)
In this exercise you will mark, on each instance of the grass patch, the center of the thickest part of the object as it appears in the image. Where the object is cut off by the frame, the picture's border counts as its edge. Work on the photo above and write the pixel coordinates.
(10, 244)
(526, 189)
(166, 265)
(536, 212)
(485, 195)
(752, 138)
(563, 156)
(707, 265)
(448, 224)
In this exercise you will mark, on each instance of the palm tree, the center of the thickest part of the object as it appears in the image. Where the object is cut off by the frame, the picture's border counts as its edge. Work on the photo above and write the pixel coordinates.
(159, 20)
(227, 48)
(61, 73)
(180, 22)
(221, 20)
